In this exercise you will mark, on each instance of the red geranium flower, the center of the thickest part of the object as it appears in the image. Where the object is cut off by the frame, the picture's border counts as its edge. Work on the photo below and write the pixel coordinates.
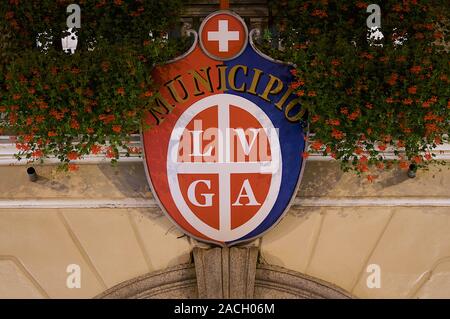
(315, 118)
(317, 145)
(337, 134)
(407, 101)
(117, 128)
(403, 165)
(38, 153)
(382, 147)
(73, 167)
(416, 69)
(74, 124)
(95, 149)
(110, 153)
(148, 93)
(412, 90)
(380, 165)
(121, 91)
(334, 122)
(73, 155)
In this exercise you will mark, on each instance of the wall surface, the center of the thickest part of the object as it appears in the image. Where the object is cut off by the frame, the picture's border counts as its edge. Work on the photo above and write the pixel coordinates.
(104, 219)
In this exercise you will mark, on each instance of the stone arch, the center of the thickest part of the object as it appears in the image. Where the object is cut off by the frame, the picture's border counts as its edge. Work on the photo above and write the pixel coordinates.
(225, 273)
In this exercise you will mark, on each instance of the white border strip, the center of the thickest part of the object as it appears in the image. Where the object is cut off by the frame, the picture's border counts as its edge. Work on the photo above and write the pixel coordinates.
(77, 203)
(9, 160)
(8, 149)
(87, 160)
(372, 202)
(299, 202)
(444, 156)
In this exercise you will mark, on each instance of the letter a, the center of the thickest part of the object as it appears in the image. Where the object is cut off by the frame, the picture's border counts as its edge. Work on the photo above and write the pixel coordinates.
(374, 20)
(74, 20)
(248, 194)
(374, 279)
(74, 279)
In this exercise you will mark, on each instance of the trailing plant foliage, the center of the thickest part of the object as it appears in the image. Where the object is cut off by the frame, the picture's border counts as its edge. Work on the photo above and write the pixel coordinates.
(71, 105)
(367, 96)
(364, 97)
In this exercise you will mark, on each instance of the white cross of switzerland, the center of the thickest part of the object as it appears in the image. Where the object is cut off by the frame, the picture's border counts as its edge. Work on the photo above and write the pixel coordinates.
(223, 35)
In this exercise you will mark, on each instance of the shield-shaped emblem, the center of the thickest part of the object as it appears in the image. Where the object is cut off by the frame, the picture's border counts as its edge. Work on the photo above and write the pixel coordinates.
(225, 158)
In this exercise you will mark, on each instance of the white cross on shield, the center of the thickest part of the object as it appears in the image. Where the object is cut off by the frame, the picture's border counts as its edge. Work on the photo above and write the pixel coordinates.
(224, 184)
(223, 35)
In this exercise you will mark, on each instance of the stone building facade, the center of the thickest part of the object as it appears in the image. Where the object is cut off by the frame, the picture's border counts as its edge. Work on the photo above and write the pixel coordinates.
(104, 219)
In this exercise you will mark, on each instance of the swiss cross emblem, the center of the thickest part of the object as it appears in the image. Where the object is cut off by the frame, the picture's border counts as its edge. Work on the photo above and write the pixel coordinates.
(223, 35)
(223, 156)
